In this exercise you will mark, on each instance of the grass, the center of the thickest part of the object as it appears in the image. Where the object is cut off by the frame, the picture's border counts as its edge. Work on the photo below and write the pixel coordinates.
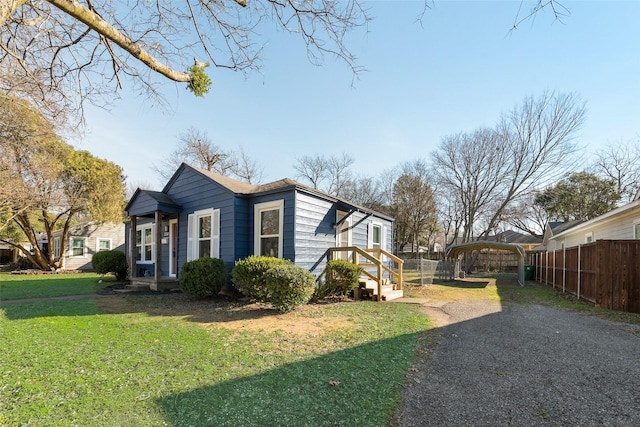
(172, 360)
(19, 286)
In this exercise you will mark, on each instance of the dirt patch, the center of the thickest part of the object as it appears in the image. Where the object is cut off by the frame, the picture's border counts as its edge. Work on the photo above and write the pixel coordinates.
(308, 320)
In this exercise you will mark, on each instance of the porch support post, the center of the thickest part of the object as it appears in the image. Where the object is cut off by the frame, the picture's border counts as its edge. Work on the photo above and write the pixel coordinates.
(157, 270)
(132, 247)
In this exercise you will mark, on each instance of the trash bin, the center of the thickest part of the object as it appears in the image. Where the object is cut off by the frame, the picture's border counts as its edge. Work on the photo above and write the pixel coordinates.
(529, 270)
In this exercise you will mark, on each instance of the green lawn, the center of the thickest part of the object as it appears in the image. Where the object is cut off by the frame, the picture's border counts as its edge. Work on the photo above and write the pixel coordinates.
(23, 286)
(153, 360)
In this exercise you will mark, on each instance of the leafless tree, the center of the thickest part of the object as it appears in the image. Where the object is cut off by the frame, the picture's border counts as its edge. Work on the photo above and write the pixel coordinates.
(61, 52)
(196, 148)
(489, 169)
(246, 168)
(330, 174)
(620, 162)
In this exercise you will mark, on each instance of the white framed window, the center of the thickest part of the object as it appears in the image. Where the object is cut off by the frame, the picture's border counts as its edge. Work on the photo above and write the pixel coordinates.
(203, 234)
(144, 243)
(588, 237)
(376, 236)
(268, 227)
(57, 245)
(636, 229)
(77, 247)
(103, 244)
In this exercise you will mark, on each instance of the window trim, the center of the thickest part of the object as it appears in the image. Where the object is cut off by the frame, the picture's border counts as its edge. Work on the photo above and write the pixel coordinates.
(588, 236)
(635, 232)
(57, 247)
(192, 233)
(142, 228)
(258, 208)
(71, 247)
(370, 242)
(106, 239)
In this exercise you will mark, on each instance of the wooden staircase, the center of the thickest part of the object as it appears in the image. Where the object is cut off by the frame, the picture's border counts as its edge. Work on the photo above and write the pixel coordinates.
(369, 288)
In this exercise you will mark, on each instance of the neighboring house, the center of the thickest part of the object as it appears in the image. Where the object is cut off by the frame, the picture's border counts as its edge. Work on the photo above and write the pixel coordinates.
(526, 241)
(622, 223)
(84, 240)
(203, 214)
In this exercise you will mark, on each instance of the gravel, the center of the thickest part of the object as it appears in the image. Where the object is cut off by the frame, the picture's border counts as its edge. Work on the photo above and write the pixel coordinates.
(522, 365)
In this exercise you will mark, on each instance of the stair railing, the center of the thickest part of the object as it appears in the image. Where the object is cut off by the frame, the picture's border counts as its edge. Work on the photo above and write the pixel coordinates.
(373, 261)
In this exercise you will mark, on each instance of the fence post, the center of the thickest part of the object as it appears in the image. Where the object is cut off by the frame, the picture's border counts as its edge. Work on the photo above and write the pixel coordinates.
(579, 266)
(564, 268)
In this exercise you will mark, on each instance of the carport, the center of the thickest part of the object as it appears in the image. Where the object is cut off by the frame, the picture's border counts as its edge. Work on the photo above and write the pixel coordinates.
(454, 252)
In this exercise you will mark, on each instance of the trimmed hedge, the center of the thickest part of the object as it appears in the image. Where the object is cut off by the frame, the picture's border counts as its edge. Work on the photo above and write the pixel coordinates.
(248, 275)
(289, 286)
(105, 262)
(203, 276)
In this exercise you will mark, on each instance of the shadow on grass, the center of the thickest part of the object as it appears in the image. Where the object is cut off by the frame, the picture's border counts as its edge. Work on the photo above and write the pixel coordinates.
(356, 386)
(75, 307)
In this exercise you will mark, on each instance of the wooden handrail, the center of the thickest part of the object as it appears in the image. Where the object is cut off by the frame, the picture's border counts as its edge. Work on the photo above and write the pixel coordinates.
(368, 254)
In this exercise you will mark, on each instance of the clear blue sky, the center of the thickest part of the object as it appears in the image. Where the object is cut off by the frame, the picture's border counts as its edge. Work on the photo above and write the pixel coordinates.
(457, 70)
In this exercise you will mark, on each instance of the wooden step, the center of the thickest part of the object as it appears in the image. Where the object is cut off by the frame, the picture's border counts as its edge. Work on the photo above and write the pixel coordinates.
(388, 290)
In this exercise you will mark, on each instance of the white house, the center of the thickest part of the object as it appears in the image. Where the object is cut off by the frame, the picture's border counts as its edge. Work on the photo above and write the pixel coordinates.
(84, 240)
(622, 223)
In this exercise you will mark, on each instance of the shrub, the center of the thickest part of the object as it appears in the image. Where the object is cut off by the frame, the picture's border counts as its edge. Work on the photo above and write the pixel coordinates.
(203, 276)
(342, 277)
(248, 275)
(105, 262)
(289, 286)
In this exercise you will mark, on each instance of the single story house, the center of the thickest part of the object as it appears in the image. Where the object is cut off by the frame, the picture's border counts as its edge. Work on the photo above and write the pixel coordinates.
(203, 214)
(84, 240)
(622, 223)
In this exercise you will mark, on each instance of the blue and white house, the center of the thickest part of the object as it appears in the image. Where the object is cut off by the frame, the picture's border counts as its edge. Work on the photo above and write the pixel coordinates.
(203, 214)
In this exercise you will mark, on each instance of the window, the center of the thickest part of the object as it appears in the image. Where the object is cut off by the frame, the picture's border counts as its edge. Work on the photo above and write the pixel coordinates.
(636, 230)
(103, 244)
(77, 246)
(268, 228)
(56, 247)
(377, 235)
(588, 238)
(204, 234)
(144, 243)
(375, 239)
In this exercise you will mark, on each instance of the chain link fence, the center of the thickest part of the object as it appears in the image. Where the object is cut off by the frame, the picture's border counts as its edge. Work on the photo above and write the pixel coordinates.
(425, 271)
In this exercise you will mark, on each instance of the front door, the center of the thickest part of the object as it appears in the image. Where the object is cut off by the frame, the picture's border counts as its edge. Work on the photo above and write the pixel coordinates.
(173, 247)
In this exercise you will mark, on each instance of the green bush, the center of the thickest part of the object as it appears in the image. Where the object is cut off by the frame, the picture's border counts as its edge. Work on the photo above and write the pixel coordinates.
(203, 276)
(105, 262)
(342, 277)
(248, 275)
(289, 286)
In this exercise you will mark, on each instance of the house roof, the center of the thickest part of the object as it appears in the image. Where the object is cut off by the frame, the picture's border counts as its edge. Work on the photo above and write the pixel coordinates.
(144, 202)
(511, 236)
(243, 188)
(558, 227)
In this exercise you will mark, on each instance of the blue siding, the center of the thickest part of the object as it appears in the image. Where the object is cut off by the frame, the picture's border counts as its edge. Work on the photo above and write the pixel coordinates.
(196, 192)
(314, 232)
(288, 230)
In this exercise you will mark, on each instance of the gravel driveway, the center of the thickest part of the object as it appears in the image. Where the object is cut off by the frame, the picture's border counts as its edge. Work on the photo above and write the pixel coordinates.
(522, 365)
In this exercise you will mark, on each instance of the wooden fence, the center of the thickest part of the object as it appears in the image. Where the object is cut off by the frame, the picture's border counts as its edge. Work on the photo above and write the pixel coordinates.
(605, 272)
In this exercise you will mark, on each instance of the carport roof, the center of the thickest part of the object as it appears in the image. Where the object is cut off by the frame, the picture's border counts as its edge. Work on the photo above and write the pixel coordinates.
(456, 250)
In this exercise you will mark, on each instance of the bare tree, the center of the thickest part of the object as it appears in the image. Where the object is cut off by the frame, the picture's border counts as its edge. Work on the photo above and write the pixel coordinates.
(247, 169)
(330, 174)
(62, 52)
(489, 169)
(620, 162)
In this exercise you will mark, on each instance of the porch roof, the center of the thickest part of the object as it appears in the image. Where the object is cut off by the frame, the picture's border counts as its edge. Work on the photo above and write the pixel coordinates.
(146, 202)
